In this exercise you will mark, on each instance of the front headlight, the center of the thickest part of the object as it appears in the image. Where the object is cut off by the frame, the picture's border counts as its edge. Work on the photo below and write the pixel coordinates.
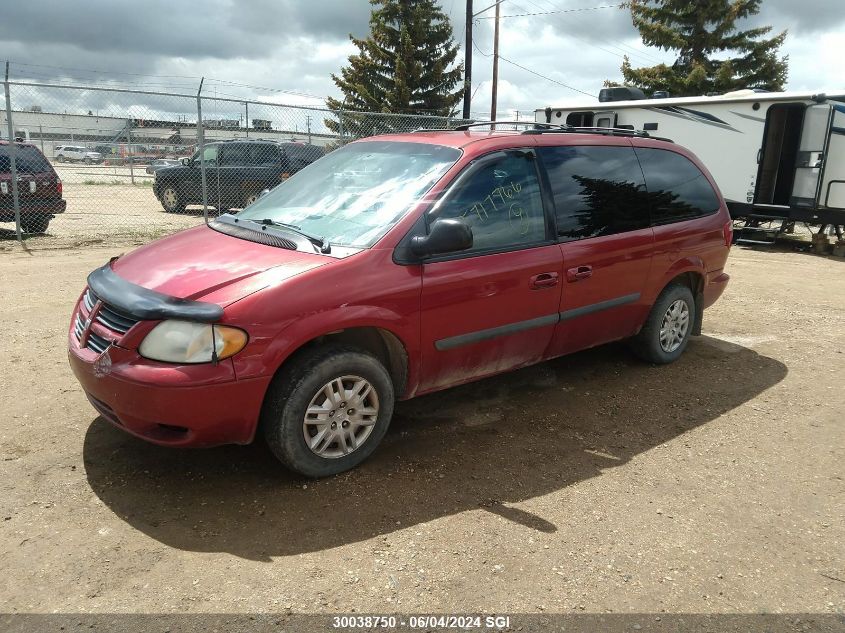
(187, 342)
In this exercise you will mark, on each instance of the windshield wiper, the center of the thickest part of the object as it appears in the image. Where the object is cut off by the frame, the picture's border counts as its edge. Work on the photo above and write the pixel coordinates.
(319, 242)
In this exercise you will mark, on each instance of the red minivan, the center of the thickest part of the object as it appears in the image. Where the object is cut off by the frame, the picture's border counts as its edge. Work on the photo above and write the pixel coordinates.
(396, 266)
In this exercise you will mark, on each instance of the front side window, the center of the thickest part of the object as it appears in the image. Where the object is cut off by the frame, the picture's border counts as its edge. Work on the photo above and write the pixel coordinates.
(598, 190)
(501, 202)
(354, 195)
(677, 188)
(209, 155)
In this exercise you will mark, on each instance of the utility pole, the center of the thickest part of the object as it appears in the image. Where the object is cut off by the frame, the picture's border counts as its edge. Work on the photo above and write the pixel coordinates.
(468, 61)
(495, 64)
(308, 123)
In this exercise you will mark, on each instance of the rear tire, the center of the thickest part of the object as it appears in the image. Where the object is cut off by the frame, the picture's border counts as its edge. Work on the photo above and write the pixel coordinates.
(667, 330)
(328, 410)
(171, 200)
(35, 225)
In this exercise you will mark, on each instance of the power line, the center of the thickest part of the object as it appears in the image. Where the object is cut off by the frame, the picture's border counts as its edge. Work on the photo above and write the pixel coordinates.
(557, 11)
(533, 72)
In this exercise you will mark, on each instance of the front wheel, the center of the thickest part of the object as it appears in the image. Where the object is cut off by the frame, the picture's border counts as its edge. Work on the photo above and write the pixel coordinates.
(171, 200)
(328, 411)
(667, 330)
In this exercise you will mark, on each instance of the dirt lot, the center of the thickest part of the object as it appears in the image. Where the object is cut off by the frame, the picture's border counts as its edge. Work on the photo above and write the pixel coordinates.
(592, 483)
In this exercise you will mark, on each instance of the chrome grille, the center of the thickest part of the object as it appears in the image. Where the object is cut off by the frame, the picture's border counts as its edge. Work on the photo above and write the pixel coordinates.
(97, 343)
(114, 320)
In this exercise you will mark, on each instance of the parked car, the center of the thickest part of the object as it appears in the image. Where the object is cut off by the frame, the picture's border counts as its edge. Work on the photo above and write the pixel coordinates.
(76, 153)
(398, 266)
(158, 163)
(39, 188)
(236, 173)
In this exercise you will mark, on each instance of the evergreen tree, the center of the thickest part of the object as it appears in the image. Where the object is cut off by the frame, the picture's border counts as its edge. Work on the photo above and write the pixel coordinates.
(404, 66)
(699, 31)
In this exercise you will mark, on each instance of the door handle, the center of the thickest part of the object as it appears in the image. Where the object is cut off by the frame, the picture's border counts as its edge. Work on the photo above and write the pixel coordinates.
(578, 273)
(543, 280)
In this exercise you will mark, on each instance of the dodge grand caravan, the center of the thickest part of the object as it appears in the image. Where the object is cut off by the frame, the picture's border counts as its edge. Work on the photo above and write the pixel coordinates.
(397, 266)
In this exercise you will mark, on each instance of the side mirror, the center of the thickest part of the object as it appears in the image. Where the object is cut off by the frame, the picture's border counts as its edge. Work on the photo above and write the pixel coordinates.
(445, 236)
(186, 162)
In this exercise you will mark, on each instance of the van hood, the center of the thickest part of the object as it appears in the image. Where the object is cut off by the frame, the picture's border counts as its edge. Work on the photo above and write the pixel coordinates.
(203, 263)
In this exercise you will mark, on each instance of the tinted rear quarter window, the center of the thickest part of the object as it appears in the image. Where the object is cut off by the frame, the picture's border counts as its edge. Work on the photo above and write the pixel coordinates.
(677, 188)
(598, 190)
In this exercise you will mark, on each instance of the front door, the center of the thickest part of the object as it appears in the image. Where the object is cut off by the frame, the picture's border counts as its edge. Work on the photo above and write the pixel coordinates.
(192, 185)
(494, 307)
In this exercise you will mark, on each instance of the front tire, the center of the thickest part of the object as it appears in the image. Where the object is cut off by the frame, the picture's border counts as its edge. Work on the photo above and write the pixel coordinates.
(171, 200)
(328, 410)
(667, 330)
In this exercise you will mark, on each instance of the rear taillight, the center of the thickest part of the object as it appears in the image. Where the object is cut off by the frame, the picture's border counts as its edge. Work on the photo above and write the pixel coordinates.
(59, 186)
(728, 231)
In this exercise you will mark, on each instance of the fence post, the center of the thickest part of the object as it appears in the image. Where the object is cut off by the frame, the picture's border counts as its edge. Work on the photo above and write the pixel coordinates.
(129, 150)
(200, 146)
(246, 104)
(340, 124)
(12, 151)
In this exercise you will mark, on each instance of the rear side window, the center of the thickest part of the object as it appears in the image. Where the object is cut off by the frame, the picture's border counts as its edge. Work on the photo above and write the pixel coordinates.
(677, 188)
(28, 160)
(598, 190)
(263, 154)
(501, 203)
(302, 155)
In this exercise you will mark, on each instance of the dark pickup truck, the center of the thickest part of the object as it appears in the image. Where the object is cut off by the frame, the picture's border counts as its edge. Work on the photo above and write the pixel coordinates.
(236, 173)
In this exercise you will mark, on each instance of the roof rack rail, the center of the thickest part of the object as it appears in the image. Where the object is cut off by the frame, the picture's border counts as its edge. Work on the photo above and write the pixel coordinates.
(465, 126)
(605, 131)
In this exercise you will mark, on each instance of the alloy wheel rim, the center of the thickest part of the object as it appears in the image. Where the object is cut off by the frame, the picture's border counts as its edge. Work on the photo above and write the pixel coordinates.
(170, 198)
(674, 327)
(340, 417)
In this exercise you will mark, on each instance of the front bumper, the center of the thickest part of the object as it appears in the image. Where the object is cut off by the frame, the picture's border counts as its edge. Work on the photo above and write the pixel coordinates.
(170, 405)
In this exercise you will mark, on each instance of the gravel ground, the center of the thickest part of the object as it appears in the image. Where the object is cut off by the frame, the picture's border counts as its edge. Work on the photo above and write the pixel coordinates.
(592, 483)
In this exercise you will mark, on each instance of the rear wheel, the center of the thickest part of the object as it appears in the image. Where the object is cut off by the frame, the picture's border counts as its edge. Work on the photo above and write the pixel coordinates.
(328, 411)
(171, 200)
(60, 158)
(35, 225)
(88, 160)
(667, 330)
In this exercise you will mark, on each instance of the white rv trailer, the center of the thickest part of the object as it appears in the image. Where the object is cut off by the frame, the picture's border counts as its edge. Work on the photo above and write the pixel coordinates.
(774, 155)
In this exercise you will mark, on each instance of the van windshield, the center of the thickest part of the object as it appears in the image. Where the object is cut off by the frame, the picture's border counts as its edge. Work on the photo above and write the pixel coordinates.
(352, 196)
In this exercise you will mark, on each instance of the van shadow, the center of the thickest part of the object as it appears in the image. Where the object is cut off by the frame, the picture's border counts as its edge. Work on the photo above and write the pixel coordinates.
(485, 445)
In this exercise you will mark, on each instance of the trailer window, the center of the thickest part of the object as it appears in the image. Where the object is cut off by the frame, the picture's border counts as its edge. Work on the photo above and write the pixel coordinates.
(598, 190)
(677, 188)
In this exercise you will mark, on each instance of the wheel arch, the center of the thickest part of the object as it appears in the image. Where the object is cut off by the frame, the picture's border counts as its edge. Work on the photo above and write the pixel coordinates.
(691, 275)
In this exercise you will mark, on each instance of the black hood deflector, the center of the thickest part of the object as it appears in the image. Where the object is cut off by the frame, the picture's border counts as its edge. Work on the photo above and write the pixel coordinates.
(143, 303)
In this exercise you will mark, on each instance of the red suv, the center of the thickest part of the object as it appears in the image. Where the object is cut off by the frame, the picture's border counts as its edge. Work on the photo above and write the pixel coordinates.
(393, 267)
(39, 188)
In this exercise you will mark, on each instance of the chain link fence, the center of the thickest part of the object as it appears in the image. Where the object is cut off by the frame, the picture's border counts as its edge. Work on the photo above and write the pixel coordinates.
(95, 164)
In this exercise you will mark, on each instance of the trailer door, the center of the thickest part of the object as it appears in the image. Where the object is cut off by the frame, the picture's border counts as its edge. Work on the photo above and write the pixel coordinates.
(811, 155)
(833, 176)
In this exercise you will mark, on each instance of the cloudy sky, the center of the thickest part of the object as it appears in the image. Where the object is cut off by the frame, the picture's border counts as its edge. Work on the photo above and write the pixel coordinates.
(286, 50)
